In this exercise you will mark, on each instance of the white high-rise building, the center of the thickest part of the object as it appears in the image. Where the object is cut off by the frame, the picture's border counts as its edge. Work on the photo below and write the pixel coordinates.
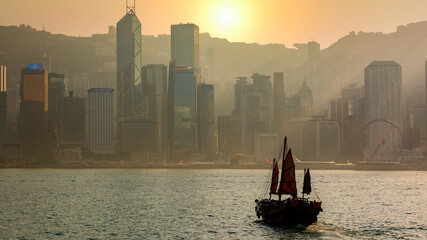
(383, 111)
(100, 120)
(185, 45)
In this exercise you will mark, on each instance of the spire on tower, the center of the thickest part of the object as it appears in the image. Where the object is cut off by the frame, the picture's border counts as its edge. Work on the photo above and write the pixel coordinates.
(130, 9)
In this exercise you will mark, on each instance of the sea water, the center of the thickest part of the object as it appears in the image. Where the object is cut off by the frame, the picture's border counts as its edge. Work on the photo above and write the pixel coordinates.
(203, 204)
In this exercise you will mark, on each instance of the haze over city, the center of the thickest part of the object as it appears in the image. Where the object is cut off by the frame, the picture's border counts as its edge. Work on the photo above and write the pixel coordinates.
(143, 119)
(272, 21)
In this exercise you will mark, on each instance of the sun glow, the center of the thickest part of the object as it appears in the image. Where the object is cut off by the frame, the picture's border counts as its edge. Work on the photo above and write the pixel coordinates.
(226, 17)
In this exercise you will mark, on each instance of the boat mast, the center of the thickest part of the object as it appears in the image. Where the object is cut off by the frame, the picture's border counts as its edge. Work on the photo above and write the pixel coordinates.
(283, 164)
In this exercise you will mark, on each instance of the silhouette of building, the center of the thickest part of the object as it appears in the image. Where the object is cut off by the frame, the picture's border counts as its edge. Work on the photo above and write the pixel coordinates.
(354, 94)
(56, 93)
(137, 135)
(303, 102)
(34, 114)
(71, 121)
(183, 107)
(229, 137)
(185, 49)
(254, 105)
(130, 99)
(384, 110)
(425, 105)
(279, 104)
(155, 88)
(100, 120)
(321, 140)
(206, 115)
(3, 103)
(266, 147)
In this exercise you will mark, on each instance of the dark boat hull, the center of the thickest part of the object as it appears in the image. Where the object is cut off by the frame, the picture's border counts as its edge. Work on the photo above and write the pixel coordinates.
(288, 212)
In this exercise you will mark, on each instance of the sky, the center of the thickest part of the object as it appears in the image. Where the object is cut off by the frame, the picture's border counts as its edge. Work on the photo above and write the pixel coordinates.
(261, 21)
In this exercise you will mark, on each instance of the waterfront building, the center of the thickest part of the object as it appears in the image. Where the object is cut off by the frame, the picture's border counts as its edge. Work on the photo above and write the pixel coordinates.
(229, 137)
(206, 116)
(303, 102)
(266, 147)
(137, 135)
(384, 110)
(100, 120)
(185, 48)
(3, 103)
(354, 95)
(71, 121)
(56, 93)
(130, 99)
(155, 85)
(34, 114)
(185, 110)
(279, 104)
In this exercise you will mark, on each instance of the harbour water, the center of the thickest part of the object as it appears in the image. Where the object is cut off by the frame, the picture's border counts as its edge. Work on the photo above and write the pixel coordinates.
(202, 204)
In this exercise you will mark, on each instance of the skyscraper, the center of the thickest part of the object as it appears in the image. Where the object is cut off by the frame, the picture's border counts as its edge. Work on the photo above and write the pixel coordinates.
(137, 135)
(71, 121)
(100, 120)
(184, 111)
(3, 103)
(384, 110)
(130, 99)
(254, 105)
(155, 84)
(279, 104)
(303, 102)
(206, 115)
(229, 137)
(56, 93)
(34, 114)
(185, 48)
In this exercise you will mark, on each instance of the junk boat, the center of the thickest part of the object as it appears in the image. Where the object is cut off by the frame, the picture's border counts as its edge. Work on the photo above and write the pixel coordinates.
(293, 210)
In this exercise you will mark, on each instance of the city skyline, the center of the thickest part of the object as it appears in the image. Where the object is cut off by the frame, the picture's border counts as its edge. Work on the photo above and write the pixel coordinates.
(233, 20)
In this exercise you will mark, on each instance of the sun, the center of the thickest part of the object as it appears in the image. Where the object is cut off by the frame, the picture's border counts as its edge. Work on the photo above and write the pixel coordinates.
(226, 17)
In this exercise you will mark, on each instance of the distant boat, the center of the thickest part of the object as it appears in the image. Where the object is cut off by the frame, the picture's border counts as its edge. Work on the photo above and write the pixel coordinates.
(293, 210)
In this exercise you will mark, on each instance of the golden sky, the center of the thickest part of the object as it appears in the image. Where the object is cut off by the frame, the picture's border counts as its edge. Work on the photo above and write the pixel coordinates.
(261, 21)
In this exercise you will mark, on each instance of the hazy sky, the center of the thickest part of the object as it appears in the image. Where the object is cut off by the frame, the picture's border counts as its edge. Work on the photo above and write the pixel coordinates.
(262, 21)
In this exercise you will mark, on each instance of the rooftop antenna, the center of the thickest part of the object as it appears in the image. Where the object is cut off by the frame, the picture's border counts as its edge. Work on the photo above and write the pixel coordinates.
(130, 9)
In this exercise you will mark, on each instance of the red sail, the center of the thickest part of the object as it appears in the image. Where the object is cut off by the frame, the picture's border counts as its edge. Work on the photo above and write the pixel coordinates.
(287, 181)
(307, 183)
(274, 178)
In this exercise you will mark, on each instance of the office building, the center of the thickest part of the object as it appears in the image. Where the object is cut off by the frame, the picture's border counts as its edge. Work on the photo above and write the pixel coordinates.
(266, 147)
(254, 105)
(34, 114)
(206, 116)
(137, 135)
(71, 121)
(155, 85)
(185, 49)
(279, 104)
(56, 93)
(184, 140)
(303, 102)
(354, 95)
(384, 110)
(100, 120)
(229, 137)
(130, 99)
(321, 140)
(3, 103)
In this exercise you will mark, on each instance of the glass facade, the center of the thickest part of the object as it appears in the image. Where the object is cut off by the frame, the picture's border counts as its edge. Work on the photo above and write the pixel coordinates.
(185, 110)
(130, 100)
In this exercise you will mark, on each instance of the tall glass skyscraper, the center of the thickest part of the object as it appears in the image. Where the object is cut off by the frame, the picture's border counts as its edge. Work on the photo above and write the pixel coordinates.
(185, 124)
(130, 99)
